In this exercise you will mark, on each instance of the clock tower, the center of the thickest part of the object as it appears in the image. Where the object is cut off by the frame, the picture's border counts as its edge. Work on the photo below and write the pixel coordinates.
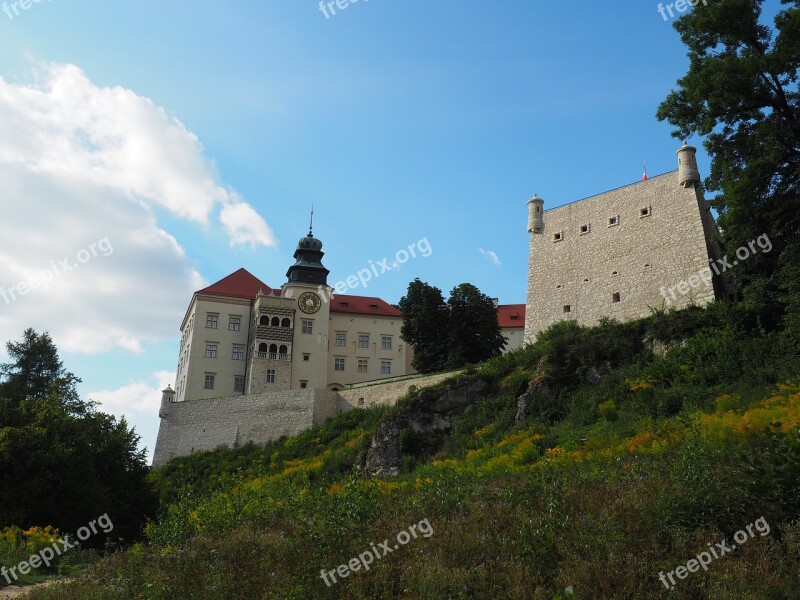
(307, 288)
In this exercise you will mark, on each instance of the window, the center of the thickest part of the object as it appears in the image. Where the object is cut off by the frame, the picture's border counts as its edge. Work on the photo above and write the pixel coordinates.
(386, 367)
(646, 211)
(557, 237)
(306, 356)
(286, 323)
(341, 339)
(276, 322)
(308, 327)
(586, 280)
(648, 266)
(238, 384)
(386, 342)
(363, 365)
(567, 308)
(585, 229)
(235, 324)
(615, 297)
(363, 340)
(263, 320)
(212, 321)
(238, 353)
(338, 364)
(303, 384)
(613, 221)
(211, 351)
(614, 273)
(270, 375)
(209, 382)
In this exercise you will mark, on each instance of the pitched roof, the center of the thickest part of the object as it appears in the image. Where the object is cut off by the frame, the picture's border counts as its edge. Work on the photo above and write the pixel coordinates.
(241, 284)
(511, 315)
(363, 305)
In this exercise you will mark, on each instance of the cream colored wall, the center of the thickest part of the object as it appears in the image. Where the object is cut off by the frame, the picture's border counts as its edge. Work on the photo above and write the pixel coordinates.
(223, 366)
(671, 241)
(315, 344)
(516, 338)
(390, 392)
(376, 327)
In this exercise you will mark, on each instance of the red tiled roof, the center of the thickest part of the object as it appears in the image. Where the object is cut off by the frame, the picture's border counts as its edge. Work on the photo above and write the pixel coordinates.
(241, 284)
(363, 305)
(511, 315)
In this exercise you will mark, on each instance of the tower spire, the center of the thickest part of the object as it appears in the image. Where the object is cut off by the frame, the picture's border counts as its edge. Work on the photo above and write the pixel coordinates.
(311, 225)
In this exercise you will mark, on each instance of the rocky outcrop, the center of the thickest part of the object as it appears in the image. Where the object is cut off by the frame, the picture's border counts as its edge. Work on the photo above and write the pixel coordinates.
(434, 410)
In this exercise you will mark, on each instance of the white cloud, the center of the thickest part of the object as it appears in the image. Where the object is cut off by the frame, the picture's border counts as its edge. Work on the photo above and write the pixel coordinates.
(492, 256)
(138, 398)
(81, 163)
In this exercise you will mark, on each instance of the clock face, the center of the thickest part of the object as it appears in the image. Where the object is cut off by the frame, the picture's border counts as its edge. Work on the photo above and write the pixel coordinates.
(309, 302)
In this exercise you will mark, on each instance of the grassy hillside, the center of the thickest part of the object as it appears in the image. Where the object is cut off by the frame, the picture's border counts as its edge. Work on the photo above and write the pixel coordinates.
(642, 446)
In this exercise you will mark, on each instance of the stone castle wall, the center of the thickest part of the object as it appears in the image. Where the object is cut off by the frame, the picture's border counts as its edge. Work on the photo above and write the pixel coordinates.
(196, 425)
(622, 271)
(210, 423)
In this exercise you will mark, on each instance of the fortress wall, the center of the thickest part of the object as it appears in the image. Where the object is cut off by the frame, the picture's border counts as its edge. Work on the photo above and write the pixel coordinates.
(635, 258)
(207, 424)
(387, 393)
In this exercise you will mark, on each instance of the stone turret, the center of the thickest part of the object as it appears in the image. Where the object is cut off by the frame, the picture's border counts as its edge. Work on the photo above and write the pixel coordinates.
(535, 215)
(688, 174)
(167, 398)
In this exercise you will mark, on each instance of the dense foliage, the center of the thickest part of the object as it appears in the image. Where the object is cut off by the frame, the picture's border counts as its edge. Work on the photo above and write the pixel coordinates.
(63, 463)
(448, 335)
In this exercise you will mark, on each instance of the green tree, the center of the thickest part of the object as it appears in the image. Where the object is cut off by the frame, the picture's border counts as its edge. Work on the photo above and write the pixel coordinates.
(62, 462)
(474, 333)
(741, 95)
(34, 366)
(425, 326)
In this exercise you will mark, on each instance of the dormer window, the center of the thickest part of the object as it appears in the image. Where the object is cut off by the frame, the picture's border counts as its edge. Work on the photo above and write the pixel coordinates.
(373, 306)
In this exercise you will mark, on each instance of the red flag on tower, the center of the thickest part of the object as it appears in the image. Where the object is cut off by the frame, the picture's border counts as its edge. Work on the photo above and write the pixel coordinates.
(644, 176)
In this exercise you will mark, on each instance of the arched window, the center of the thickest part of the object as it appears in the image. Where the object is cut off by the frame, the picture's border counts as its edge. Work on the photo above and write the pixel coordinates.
(283, 350)
(286, 323)
(262, 347)
(276, 322)
(264, 321)
(273, 348)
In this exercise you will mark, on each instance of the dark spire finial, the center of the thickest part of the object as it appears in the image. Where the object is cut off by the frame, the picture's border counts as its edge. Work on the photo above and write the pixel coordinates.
(311, 225)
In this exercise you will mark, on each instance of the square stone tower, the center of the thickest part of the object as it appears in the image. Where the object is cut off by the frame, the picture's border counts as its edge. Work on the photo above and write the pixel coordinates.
(623, 253)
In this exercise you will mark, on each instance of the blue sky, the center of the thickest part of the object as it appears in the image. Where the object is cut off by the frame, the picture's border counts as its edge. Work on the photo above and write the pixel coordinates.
(195, 136)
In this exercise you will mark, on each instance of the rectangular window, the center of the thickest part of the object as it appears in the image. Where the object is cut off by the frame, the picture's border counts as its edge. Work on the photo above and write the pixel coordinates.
(613, 221)
(386, 367)
(238, 353)
(557, 237)
(306, 356)
(363, 365)
(238, 384)
(341, 339)
(270, 375)
(235, 324)
(212, 321)
(209, 382)
(303, 384)
(308, 327)
(585, 229)
(646, 211)
(386, 342)
(211, 351)
(338, 364)
(363, 340)
(615, 297)
(567, 308)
